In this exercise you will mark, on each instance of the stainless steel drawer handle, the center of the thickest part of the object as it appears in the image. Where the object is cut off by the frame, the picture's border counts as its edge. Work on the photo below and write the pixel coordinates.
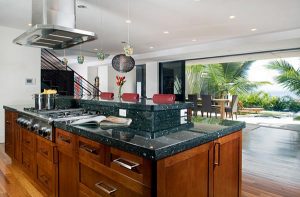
(88, 149)
(125, 163)
(64, 139)
(106, 188)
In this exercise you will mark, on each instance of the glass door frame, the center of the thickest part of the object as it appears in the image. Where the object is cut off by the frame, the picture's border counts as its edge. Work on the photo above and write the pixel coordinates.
(179, 97)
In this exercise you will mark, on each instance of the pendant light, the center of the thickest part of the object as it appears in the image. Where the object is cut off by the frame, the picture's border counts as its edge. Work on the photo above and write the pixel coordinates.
(80, 58)
(124, 62)
(128, 49)
(100, 53)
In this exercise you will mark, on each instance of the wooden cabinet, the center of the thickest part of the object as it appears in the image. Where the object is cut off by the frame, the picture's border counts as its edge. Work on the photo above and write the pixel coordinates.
(96, 183)
(67, 164)
(186, 174)
(46, 167)
(17, 143)
(77, 166)
(209, 170)
(131, 165)
(9, 133)
(28, 156)
(227, 166)
(99, 175)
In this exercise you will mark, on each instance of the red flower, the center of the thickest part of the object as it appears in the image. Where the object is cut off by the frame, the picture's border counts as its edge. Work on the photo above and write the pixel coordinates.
(120, 80)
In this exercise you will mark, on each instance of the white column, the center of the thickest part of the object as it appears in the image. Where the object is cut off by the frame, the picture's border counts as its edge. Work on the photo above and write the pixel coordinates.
(152, 79)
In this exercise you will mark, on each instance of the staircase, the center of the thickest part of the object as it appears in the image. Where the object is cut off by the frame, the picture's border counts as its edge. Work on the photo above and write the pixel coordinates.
(64, 79)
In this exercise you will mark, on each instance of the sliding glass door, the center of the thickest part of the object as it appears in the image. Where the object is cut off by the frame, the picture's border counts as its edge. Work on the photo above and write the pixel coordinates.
(172, 79)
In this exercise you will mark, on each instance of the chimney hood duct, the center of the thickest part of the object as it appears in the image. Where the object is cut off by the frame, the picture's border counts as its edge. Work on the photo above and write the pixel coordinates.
(53, 26)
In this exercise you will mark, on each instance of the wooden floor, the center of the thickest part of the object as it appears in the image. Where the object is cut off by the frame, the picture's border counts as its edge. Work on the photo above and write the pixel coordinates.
(271, 162)
(271, 166)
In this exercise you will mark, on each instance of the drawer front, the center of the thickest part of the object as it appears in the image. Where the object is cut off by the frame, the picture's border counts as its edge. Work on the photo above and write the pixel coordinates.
(90, 150)
(104, 186)
(44, 148)
(65, 141)
(131, 165)
(28, 161)
(45, 178)
(28, 139)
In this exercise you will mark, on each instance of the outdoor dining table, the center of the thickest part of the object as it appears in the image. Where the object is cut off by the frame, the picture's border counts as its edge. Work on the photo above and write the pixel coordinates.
(221, 103)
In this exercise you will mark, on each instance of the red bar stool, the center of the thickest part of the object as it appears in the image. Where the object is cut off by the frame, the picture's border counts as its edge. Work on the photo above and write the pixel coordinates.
(163, 98)
(107, 95)
(133, 97)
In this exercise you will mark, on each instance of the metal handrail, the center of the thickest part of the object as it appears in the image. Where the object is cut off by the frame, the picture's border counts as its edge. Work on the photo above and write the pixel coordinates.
(50, 58)
(49, 64)
(53, 66)
(67, 67)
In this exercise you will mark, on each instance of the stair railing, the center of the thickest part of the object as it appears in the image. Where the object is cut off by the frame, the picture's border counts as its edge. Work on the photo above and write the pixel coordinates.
(51, 61)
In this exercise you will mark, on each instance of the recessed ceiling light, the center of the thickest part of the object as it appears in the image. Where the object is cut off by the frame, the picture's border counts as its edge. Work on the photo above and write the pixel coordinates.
(128, 21)
(253, 29)
(232, 17)
(95, 49)
(194, 40)
(29, 24)
(81, 6)
(151, 47)
(196, 0)
(166, 32)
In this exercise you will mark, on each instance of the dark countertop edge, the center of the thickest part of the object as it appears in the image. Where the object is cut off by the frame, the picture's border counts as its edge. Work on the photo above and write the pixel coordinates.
(197, 141)
(149, 153)
(137, 106)
(9, 108)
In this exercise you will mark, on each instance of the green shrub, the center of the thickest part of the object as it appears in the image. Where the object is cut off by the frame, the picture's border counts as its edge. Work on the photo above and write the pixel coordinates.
(297, 118)
(264, 100)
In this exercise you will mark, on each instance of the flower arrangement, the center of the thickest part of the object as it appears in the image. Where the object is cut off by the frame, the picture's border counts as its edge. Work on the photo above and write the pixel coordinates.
(120, 80)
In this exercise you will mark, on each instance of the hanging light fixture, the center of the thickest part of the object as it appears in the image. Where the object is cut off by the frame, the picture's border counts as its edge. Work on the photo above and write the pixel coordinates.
(128, 49)
(64, 60)
(124, 62)
(80, 58)
(100, 53)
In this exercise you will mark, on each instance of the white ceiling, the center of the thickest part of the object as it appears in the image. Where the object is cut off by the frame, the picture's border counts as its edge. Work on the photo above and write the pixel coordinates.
(277, 23)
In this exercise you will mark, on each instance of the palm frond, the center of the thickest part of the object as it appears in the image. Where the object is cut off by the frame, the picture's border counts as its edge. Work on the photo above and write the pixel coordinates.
(288, 76)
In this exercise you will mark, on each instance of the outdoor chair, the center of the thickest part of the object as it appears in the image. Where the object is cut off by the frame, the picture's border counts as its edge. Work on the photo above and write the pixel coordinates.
(207, 105)
(194, 99)
(233, 108)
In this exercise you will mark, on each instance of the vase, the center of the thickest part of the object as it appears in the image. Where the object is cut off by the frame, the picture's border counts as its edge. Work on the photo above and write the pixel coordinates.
(120, 91)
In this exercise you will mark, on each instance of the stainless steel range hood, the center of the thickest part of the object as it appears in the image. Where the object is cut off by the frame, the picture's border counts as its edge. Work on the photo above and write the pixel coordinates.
(54, 26)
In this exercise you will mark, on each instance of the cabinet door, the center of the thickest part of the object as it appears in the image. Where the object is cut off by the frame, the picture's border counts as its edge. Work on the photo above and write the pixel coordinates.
(17, 143)
(8, 134)
(227, 166)
(186, 174)
(67, 165)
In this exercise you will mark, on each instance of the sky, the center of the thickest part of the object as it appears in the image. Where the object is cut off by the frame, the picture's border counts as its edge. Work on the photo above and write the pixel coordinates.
(258, 72)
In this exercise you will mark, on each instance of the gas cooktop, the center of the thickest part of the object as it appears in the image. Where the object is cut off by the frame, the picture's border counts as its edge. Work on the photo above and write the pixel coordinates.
(63, 114)
(44, 126)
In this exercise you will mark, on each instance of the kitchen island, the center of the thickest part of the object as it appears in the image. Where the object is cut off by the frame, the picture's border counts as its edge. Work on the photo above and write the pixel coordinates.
(202, 159)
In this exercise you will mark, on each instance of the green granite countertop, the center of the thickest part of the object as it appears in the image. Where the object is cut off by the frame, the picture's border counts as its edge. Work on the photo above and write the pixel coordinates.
(204, 130)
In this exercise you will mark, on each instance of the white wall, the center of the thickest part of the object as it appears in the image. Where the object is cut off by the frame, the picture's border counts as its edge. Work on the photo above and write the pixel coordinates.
(103, 78)
(92, 72)
(17, 64)
(129, 86)
(152, 79)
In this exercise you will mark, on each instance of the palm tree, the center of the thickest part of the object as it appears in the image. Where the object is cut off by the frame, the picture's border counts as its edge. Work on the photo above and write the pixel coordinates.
(288, 76)
(231, 78)
(194, 77)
